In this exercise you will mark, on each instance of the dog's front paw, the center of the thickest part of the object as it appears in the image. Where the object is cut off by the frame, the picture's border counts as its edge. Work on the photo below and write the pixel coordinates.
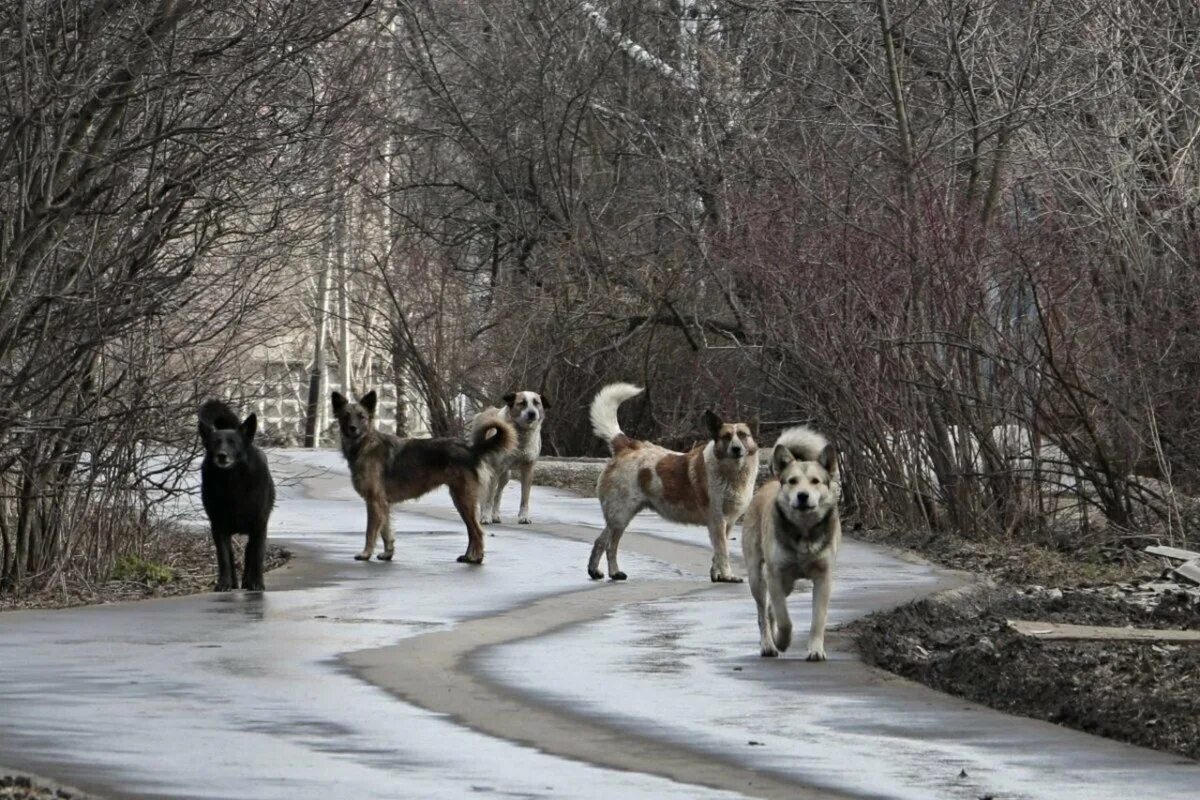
(222, 586)
(783, 637)
(816, 655)
(365, 555)
(769, 651)
(525, 519)
(595, 574)
(386, 555)
(496, 520)
(724, 577)
(618, 576)
(254, 586)
(467, 558)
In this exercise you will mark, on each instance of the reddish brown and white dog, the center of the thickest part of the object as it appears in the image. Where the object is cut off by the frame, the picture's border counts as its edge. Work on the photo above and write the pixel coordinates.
(709, 485)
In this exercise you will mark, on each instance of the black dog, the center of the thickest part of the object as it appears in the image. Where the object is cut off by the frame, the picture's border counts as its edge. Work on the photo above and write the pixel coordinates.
(237, 490)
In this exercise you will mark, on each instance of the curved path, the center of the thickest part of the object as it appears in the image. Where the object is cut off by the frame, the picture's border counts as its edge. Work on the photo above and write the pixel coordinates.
(427, 678)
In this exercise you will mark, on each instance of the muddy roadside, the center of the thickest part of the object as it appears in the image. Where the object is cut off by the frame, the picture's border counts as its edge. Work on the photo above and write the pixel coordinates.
(1136, 692)
(177, 561)
(960, 643)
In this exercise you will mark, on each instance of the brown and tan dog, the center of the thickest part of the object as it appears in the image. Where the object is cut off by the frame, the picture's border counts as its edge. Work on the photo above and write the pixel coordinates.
(709, 485)
(386, 469)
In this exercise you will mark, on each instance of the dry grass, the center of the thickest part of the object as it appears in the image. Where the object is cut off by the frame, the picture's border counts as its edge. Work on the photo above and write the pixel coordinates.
(177, 561)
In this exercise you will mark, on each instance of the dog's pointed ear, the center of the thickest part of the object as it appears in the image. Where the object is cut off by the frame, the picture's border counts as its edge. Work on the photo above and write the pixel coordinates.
(781, 457)
(206, 430)
(339, 402)
(545, 400)
(828, 459)
(367, 401)
(509, 398)
(712, 423)
(754, 425)
(249, 427)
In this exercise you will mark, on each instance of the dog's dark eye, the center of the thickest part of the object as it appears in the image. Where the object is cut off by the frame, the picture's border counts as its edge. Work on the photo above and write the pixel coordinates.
(793, 481)
(815, 481)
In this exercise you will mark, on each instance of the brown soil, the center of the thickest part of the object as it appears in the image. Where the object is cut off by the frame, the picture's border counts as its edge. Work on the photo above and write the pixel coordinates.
(1069, 560)
(188, 555)
(1139, 693)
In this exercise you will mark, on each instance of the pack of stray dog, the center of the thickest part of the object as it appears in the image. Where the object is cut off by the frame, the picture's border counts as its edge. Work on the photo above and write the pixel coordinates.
(792, 528)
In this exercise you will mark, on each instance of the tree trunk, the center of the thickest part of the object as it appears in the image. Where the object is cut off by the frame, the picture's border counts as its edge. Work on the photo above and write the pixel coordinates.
(316, 382)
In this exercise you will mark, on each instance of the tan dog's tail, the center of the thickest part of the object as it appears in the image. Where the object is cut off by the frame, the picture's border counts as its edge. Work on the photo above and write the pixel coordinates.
(806, 444)
(484, 443)
(604, 412)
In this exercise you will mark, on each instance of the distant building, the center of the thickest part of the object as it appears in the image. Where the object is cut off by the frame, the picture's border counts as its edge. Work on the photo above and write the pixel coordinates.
(277, 377)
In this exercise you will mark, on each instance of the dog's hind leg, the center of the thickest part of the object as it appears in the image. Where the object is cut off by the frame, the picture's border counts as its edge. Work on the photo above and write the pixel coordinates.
(377, 514)
(526, 474)
(614, 542)
(822, 585)
(226, 574)
(598, 549)
(718, 533)
(616, 520)
(465, 500)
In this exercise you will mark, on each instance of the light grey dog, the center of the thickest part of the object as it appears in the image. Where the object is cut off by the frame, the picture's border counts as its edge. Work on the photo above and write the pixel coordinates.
(792, 531)
(526, 411)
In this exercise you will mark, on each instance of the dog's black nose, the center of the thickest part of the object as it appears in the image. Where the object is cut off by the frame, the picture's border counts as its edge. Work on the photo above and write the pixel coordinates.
(737, 451)
(353, 431)
(802, 500)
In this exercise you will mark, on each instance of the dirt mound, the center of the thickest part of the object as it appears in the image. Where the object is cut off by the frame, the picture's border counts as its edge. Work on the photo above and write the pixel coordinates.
(1144, 694)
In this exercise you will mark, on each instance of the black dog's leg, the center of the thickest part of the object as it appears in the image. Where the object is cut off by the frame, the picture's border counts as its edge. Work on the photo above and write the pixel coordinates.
(226, 579)
(252, 571)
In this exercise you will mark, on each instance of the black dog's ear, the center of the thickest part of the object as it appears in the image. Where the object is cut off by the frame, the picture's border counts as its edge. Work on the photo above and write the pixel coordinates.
(367, 401)
(339, 402)
(248, 427)
(545, 400)
(713, 423)
(828, 459)
(781, 457)
(206, 430)
(508, 399)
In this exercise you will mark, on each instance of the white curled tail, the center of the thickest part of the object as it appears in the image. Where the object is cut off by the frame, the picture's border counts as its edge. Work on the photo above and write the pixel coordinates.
(604, 409)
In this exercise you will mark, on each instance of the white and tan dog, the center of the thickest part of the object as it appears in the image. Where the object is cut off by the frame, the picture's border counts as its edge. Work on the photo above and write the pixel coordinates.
(526, 411)
(709, 485)
(792, 531)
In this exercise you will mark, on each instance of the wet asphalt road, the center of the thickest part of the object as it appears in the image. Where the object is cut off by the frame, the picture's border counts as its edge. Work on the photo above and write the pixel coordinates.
(247, 695)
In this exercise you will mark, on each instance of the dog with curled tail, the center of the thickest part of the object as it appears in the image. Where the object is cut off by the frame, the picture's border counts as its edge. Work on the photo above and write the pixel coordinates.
(793, 530)
(526, 411)
(387, 469)
(709, 485)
